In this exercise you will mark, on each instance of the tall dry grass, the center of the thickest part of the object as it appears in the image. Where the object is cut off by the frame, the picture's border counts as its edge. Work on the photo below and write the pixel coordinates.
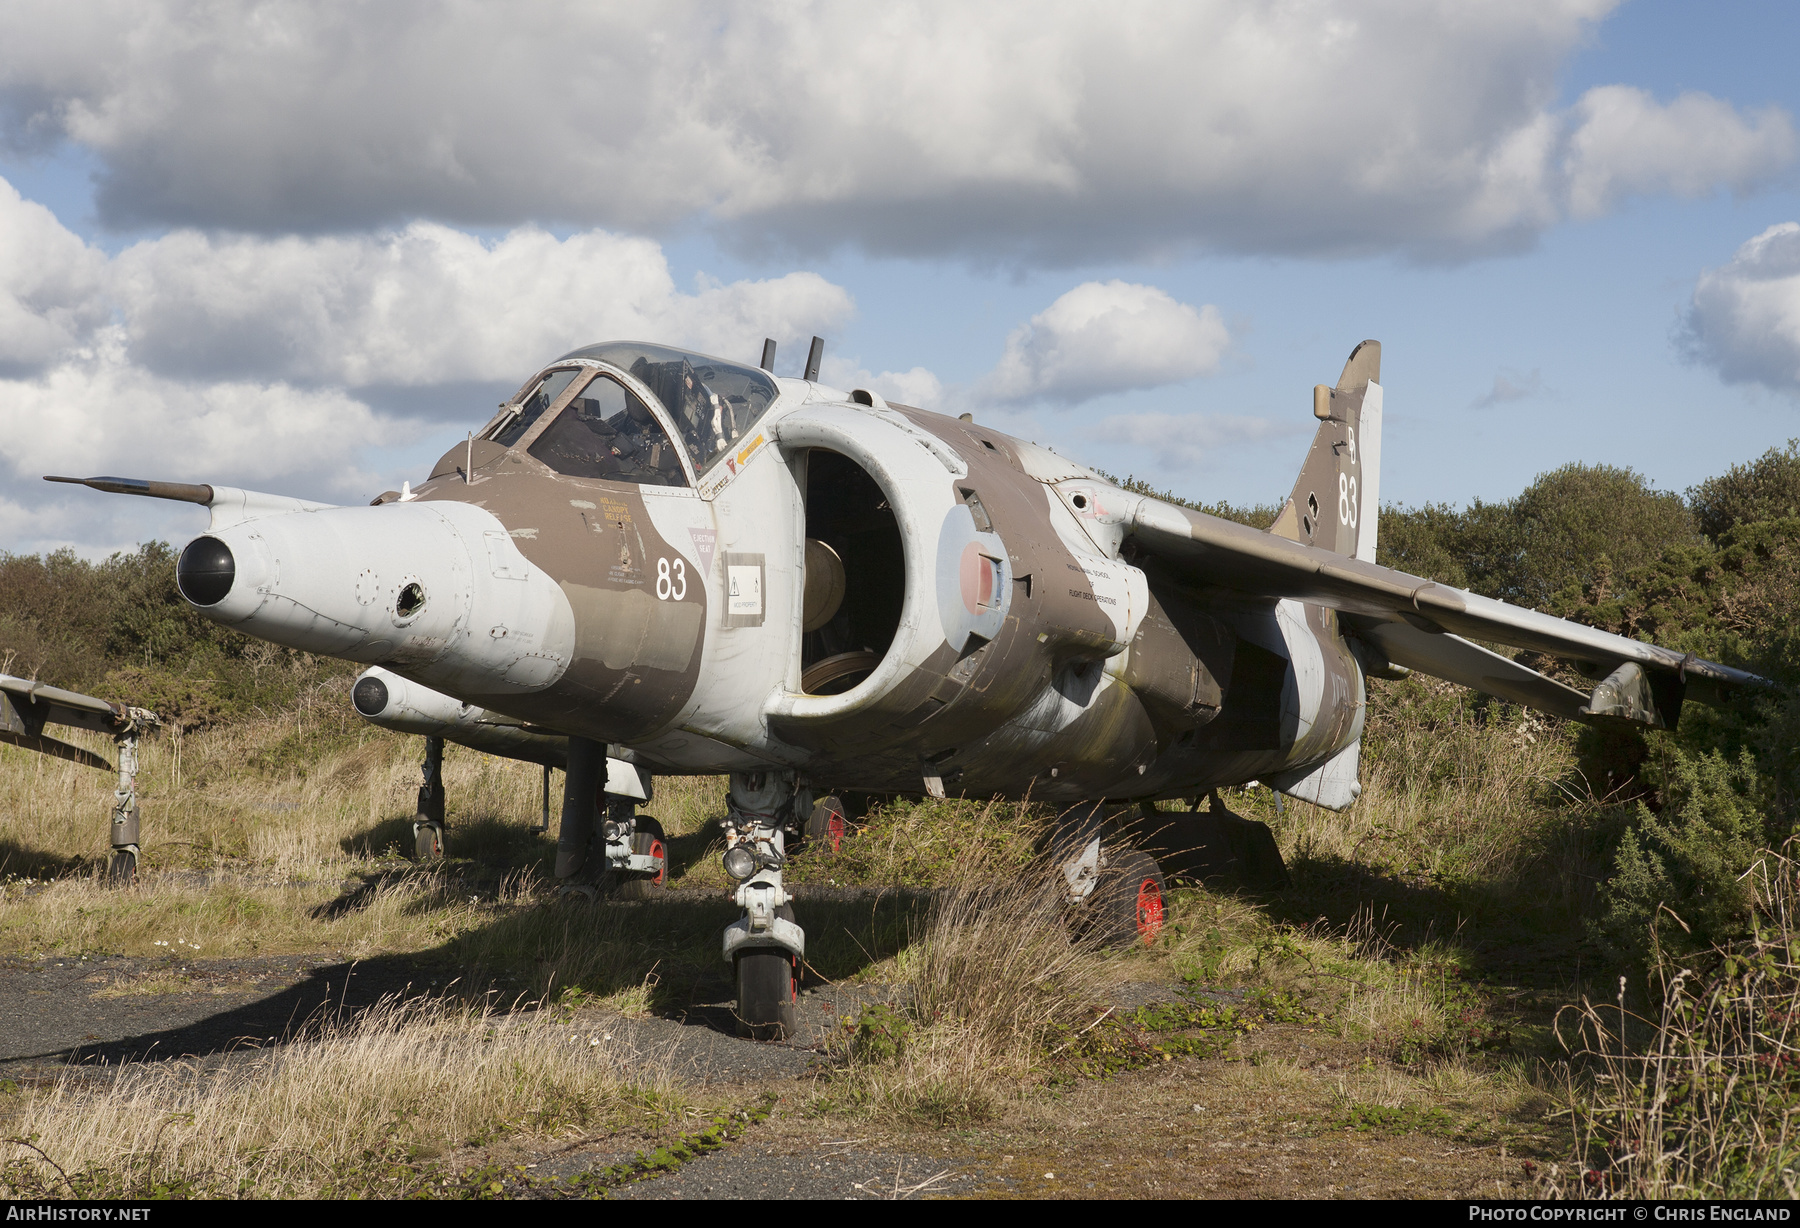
(251, 830)
(1460, 793)
(988, 988)
(360, 1108)
(1701, 1099)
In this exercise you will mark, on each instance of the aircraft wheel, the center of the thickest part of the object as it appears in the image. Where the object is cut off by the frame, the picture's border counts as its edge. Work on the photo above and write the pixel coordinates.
(768, 988)
(428, 842)
(1130, 902)
(829, 824)
(767, 994)
(123, 867)
(648, 839)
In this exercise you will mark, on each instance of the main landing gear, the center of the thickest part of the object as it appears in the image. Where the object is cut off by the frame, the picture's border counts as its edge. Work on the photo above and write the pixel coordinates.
(1114, 893)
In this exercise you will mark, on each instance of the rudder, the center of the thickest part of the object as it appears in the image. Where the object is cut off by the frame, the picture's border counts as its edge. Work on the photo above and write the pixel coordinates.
(1336, 502)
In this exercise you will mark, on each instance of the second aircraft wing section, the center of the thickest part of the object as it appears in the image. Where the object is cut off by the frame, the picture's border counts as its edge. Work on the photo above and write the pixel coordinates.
(1455, 659)
(1213, 552)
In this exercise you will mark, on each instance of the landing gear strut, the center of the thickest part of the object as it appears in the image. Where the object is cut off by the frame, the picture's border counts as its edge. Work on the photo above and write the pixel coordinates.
(764, 946)
(122, 868)
(428, 823)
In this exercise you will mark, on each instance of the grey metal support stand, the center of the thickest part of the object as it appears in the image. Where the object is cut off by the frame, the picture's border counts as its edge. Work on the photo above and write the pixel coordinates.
(428, 823)
(581, 789)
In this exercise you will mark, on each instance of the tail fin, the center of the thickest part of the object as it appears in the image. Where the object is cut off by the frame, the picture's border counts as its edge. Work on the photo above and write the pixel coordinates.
(1336, 504)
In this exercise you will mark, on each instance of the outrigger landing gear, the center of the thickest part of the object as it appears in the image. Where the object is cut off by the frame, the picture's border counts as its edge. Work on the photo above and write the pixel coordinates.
(122, 868)
(764, 946)
(428, 823)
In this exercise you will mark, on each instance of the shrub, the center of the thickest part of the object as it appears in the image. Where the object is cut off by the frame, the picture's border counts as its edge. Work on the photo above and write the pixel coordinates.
(1678, 885)
(1768, 488)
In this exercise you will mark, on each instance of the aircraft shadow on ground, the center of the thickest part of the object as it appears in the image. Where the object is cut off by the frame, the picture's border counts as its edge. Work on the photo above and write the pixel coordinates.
(27, 862)
(566, 951)
(1497, 929)
(494, 841)
(330, 993)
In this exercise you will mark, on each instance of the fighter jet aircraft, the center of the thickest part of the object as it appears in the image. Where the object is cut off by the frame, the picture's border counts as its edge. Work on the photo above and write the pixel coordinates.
(654, 562)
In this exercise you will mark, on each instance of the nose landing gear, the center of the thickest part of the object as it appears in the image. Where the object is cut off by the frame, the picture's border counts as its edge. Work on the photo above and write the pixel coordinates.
(765, 945)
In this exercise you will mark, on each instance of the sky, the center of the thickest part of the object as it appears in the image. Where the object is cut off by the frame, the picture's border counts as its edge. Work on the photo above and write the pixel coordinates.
(305, 248)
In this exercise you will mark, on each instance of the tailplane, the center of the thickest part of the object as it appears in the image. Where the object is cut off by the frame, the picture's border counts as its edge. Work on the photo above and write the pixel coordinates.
(1336, 504)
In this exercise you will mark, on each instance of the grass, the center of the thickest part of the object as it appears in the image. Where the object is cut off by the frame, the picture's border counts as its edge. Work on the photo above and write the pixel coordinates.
(253, 832)
(1698, 1099)
(1431, 932)
(362, 1108)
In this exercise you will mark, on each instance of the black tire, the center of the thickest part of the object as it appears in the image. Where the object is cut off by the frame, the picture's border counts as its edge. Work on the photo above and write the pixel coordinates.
(767, 990)
(648, 839)
(1130, 902)
(122, 870)
(829, 825)
(768, 983)
(428, 842)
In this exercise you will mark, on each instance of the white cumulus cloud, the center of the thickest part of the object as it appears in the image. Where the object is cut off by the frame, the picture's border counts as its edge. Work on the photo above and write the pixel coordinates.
(99, 412)
(1191, 441)
(247, 360)
(1048, 130)
(1744, 320)
(1105, 337)
(919, 387)
(432, 305)
(1624, 144)
(50, 285)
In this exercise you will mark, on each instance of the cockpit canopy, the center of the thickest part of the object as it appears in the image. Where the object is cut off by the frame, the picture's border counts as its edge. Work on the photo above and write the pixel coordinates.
(600, 428)
(713, 403)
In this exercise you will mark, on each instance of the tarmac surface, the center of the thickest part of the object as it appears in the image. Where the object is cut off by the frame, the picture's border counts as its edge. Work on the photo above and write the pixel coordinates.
(59, 1014)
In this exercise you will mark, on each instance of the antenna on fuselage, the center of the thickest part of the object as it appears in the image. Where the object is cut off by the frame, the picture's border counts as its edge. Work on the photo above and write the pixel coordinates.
(812, 359)
(768, 361)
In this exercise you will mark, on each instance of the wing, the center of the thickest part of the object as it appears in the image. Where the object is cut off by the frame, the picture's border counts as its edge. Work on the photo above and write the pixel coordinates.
(1419, 623)
(26, 706)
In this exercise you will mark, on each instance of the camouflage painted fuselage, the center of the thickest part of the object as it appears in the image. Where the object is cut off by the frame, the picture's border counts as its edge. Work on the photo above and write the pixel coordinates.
(1031, 648)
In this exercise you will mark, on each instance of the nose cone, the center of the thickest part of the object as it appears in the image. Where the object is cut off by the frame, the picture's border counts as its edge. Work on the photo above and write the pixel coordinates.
(206, 571)
(438, 590)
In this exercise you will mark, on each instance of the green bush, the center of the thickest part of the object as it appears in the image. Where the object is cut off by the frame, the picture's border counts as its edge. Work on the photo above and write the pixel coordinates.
(1678, 883)
(1767, 488)
(1569, 527)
